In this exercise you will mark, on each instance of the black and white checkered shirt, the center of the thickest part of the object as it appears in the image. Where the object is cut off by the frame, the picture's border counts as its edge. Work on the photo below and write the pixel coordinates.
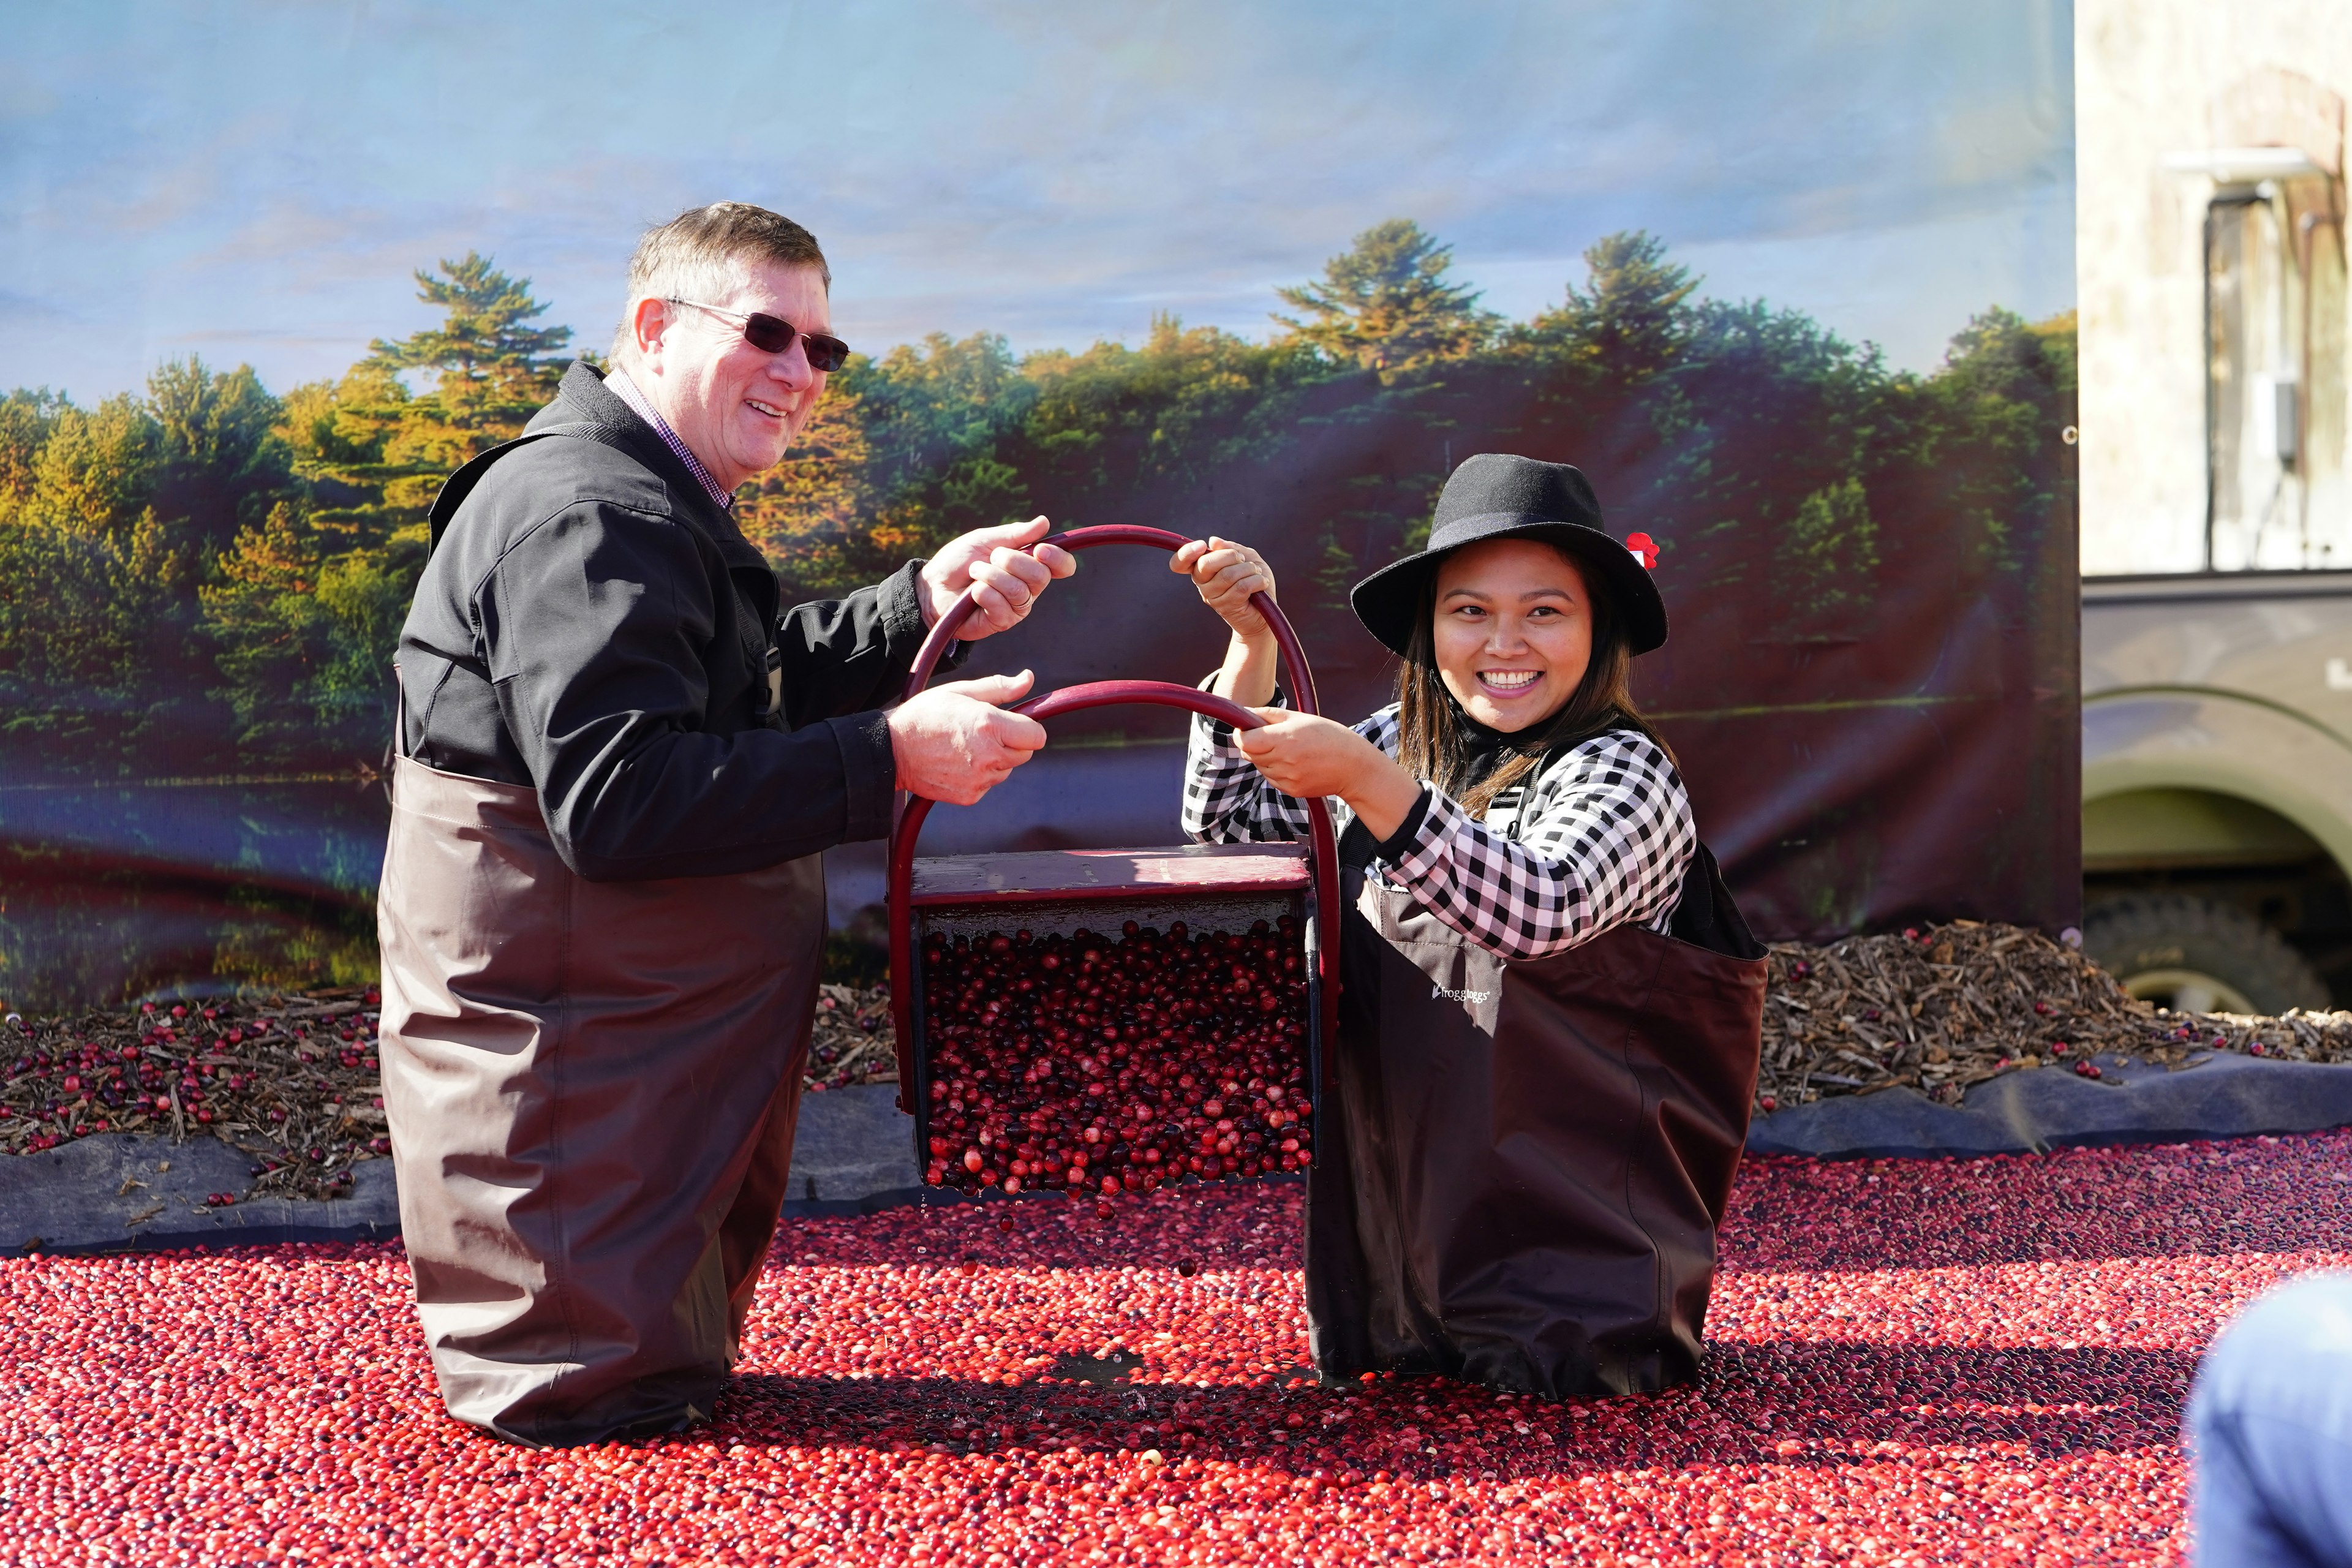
(1598, 840)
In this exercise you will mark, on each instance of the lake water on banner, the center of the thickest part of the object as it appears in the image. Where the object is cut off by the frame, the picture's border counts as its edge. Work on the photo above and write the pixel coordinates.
(117, 891)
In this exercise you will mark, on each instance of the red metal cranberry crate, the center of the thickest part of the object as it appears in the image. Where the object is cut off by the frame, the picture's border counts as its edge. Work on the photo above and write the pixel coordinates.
(1108, 1021)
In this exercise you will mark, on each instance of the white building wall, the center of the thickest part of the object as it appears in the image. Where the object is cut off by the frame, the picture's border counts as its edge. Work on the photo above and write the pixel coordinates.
(2156, 78)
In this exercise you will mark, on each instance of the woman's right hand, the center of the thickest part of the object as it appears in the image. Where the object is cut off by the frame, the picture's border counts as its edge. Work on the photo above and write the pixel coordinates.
(1227, 573)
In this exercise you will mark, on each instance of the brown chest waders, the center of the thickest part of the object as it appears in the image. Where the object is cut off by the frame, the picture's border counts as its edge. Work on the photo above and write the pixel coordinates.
(591, 1088)
(1522, 1181)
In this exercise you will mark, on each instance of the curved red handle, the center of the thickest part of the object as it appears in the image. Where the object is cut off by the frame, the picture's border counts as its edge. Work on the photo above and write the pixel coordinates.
(1147, 693)
(1323, 855)
(1294, 656)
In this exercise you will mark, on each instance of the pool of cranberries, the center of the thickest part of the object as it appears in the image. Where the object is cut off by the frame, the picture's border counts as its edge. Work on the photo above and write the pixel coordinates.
(1976, 1361)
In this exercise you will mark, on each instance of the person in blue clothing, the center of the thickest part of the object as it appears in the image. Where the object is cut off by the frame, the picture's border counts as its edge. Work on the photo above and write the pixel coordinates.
(2270, 1433)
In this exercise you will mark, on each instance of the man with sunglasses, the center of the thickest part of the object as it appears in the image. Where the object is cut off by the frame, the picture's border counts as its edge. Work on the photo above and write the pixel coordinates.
(619, 758)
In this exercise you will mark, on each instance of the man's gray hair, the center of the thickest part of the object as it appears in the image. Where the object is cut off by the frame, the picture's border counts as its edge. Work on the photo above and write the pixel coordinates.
(703, 252)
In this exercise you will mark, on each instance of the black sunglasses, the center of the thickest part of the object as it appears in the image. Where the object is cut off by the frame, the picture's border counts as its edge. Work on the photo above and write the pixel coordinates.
(774, 334)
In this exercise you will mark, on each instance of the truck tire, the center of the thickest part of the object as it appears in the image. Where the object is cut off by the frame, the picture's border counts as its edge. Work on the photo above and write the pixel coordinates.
(2196, 956)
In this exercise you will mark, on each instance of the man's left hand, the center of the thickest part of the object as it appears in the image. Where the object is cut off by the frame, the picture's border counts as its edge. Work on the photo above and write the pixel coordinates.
(999, 562)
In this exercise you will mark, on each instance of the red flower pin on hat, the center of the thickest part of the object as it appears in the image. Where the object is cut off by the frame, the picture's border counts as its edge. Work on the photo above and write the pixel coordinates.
(1646, 548)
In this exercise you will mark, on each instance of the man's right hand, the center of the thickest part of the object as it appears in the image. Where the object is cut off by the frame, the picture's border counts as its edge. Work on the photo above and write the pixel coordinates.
(955, 742)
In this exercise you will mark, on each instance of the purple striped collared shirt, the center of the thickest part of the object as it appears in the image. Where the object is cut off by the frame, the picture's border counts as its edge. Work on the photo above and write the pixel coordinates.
(626, 391)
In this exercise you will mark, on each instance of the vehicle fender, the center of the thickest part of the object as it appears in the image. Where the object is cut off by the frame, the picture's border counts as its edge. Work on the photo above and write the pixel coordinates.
(2191, 740)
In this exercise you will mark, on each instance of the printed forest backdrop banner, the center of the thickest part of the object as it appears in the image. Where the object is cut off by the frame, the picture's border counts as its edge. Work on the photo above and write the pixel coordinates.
(1794, 297)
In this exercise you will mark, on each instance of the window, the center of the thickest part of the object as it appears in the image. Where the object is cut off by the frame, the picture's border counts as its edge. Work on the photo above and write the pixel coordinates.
(2275, 392)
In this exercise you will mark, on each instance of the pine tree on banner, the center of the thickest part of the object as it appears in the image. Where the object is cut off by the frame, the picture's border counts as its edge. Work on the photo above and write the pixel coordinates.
(491, 371)
(1631, 322)
(1385, 304)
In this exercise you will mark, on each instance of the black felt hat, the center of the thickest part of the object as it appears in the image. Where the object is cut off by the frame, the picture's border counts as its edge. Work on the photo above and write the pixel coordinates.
(1497, 496)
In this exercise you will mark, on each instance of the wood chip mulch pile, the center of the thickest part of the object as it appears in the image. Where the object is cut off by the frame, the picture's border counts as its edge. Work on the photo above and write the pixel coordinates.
(291, 1080)
(1944, 1006)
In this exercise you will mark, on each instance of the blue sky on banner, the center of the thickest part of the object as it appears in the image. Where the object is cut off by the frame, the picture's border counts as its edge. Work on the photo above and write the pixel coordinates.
(254, 182)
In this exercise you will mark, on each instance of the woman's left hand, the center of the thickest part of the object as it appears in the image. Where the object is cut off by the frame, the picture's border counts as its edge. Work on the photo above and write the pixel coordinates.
(1307, 757)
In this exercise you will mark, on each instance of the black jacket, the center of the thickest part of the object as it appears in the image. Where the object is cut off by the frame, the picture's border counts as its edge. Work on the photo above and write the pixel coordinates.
(590, 625)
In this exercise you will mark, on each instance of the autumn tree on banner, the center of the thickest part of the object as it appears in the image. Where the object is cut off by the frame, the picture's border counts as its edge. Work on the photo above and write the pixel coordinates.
(109, 519)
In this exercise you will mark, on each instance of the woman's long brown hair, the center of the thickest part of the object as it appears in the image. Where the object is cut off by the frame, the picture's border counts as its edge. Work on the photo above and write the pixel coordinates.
(1429, 741)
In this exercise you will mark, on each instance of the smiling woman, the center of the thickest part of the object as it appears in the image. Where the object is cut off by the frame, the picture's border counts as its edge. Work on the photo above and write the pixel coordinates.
(1516, 630)
(1512, 629)
(1549, 1025)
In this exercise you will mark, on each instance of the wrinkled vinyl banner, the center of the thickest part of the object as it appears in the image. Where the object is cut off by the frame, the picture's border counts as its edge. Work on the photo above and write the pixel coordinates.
(1869, 558)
